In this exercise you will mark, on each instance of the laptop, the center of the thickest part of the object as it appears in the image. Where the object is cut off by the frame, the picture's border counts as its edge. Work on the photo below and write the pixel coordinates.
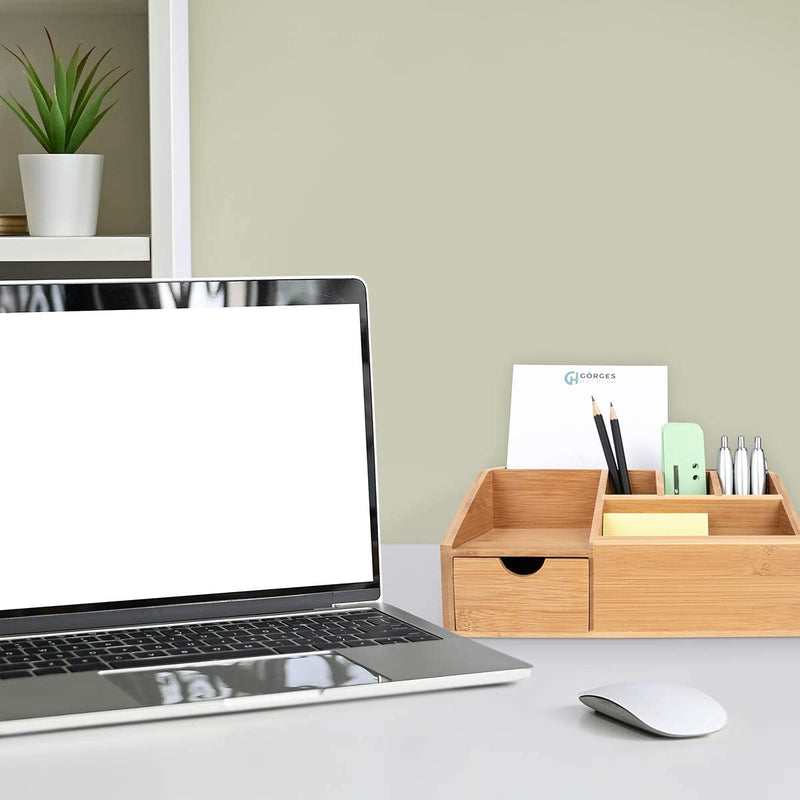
(190, 507)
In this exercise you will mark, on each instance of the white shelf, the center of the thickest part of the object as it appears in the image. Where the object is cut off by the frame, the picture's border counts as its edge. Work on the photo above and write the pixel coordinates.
(67, 7)
(152, 36)
(74, 248)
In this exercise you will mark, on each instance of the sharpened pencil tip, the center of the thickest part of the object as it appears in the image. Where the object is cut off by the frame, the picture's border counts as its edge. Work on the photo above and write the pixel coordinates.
(593, 398)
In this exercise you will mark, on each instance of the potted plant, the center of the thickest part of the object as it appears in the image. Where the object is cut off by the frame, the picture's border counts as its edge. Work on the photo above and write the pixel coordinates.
(61, 186)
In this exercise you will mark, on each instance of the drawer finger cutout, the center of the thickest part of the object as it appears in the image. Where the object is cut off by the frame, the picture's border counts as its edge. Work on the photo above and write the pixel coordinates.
(497, 596)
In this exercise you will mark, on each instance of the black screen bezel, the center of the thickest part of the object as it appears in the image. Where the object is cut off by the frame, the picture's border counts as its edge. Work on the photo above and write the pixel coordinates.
(105, 296)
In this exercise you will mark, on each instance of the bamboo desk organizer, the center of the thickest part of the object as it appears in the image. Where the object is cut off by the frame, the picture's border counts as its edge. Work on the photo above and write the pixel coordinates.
(524, 556)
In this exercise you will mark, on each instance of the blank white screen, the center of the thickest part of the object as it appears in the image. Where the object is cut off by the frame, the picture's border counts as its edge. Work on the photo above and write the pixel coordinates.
(154, 453)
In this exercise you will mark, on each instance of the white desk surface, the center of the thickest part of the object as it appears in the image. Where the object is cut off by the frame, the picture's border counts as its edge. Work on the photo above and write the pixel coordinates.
(530, 739)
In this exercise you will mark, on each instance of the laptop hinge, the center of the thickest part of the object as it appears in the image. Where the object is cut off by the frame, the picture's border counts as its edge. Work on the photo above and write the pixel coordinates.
(349, 599)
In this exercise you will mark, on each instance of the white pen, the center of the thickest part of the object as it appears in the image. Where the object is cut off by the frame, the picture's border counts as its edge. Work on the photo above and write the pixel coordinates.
(725, 466)
(741, 469)
(758, 469)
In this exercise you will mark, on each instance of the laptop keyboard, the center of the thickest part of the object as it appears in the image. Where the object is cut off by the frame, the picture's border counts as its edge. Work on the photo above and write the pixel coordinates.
(127, 648)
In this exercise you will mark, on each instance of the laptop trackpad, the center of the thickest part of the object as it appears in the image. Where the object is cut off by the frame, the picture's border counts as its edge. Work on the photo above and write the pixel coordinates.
(223, 680)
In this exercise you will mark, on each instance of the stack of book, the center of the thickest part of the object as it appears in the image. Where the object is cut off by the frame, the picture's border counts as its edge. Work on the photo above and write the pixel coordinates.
(13, 225)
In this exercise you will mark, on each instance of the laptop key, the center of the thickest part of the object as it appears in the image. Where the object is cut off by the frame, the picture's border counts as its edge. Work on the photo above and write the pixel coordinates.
(4, 676)
(91, 665)
(77, 662)
(321, 644)
(13, 667)
(48, 670)
(154, 654)
(383, 633)
(290, 649)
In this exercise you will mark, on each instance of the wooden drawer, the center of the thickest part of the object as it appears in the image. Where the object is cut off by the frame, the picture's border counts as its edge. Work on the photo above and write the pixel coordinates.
(492, 600)
(703, 587)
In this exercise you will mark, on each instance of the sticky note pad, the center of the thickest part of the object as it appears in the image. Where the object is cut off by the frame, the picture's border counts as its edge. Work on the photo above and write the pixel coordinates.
(655, 524)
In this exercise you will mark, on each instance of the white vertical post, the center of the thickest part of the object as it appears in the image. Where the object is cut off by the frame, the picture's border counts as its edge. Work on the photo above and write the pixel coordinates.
(170, 208)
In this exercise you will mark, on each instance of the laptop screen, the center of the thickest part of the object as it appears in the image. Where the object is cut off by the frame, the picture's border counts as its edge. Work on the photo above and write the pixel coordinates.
(183, 443)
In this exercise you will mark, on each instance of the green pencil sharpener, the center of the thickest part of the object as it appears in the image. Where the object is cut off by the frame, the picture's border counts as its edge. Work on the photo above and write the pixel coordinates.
(683, 458)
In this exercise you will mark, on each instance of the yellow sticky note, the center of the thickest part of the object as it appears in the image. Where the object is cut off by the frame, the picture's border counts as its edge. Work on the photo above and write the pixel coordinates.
(655, 524)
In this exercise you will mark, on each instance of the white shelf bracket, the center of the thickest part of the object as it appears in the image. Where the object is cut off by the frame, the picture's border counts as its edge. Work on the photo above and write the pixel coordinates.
(170, 201)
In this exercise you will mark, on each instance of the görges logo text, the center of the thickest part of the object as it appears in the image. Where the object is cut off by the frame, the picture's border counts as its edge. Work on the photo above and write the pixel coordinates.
(571, 377)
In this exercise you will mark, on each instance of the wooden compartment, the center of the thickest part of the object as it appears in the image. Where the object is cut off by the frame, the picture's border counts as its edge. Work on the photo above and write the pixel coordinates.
(698, 588)
(743, 579)
(648, 481)
(527, 513)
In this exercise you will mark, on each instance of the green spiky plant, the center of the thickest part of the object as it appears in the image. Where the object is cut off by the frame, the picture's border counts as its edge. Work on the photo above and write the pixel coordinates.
(72, 111)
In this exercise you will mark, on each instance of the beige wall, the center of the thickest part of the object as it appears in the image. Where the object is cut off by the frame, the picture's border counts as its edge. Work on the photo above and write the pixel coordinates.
(518, 181)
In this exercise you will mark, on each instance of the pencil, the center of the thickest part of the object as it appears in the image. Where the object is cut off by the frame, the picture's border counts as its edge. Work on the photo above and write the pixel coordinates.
(622, 464)
(603, 434)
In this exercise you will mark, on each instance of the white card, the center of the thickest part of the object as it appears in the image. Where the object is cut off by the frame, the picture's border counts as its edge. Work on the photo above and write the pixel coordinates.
(552, 426)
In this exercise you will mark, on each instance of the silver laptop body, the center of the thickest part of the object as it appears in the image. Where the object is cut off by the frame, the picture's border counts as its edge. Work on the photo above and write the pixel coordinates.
(191, 453)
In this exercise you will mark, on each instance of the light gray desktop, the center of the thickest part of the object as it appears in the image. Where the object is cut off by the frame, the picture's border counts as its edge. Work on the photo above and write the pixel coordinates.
(529, 739)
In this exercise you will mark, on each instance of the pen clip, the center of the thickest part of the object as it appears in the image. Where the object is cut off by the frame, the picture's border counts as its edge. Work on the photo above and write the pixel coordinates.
(675, 473)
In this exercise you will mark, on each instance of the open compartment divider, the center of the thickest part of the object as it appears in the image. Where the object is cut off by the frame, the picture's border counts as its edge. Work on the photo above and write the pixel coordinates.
(596, 529)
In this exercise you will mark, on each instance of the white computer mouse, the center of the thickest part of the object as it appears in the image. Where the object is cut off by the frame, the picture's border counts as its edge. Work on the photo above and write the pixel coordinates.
(668, 709)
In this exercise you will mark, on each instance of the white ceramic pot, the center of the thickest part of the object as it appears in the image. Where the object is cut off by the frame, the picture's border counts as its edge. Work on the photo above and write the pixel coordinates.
(62, 193)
